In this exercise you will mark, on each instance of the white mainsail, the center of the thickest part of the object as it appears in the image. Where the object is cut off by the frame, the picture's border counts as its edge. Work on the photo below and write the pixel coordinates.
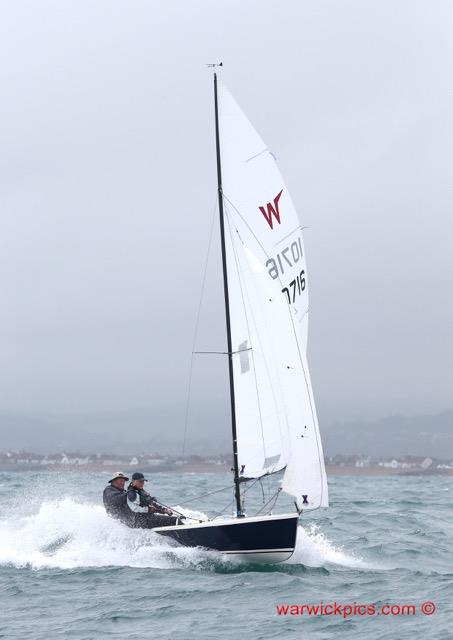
(276, 422)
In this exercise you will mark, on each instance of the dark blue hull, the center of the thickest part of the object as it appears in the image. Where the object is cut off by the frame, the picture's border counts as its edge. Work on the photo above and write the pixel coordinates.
(268, 539)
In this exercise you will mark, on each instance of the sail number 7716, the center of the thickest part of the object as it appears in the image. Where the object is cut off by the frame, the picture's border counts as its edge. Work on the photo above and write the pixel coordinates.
(283, 265)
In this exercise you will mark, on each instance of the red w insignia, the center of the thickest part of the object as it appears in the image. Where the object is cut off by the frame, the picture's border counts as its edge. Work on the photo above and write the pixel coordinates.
(271, 211)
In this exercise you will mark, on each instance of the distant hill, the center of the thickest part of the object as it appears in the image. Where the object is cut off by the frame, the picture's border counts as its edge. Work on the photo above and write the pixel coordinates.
(130, 431)
(429, 435)
(162, 429)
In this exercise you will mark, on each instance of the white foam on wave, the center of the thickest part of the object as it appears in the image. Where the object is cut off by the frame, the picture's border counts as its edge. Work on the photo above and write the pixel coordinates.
(313, 549)
(68, 534)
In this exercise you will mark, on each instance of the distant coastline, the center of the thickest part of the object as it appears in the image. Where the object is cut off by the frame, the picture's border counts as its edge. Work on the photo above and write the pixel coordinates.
(158, 429)
(337, 466)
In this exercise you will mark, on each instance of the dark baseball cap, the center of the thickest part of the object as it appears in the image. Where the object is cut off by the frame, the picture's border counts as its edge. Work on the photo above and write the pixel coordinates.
(138, 476)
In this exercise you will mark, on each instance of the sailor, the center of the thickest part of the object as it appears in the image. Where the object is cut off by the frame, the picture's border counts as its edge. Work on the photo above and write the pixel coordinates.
(115, 499)
(147, 511)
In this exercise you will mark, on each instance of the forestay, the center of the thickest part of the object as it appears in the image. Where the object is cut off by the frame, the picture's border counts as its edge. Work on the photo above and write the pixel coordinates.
(276, 419)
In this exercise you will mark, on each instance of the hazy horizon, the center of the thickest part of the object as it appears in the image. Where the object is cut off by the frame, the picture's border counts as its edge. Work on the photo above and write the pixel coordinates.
(161, 429)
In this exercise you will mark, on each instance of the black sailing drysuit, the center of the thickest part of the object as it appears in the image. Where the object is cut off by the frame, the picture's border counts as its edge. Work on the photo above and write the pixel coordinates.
(131, 508)
(115, 503)
(138, 501)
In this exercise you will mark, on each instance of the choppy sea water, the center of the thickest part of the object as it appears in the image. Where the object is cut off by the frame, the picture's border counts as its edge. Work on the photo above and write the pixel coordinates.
(68, 571)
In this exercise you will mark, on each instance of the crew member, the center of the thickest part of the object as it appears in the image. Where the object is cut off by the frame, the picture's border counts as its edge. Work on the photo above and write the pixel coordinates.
(115, 499)
(148, 513)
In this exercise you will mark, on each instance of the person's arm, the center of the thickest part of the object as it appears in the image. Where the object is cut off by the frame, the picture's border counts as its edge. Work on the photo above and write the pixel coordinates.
(133, 502)
(159, 509)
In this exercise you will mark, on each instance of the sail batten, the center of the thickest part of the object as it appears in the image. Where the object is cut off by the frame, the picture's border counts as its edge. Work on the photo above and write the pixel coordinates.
(275, 414)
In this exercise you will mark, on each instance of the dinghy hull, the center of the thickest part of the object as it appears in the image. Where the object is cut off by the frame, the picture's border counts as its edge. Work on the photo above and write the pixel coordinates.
(267, 539)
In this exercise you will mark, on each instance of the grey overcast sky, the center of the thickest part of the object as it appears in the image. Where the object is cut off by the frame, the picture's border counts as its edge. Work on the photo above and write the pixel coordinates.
(107, 189)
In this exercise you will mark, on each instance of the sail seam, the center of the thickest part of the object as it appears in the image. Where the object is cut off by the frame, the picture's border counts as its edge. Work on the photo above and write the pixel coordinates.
(258, 154)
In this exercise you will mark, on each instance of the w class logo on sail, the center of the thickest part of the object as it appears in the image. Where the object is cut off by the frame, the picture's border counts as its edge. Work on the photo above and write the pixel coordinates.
(271, 211)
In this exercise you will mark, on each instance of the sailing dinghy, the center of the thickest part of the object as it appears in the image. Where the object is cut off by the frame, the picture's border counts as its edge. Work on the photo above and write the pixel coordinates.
(273, 415)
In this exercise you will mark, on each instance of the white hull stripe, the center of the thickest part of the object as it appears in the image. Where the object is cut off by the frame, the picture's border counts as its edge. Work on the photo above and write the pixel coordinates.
(238, 551)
